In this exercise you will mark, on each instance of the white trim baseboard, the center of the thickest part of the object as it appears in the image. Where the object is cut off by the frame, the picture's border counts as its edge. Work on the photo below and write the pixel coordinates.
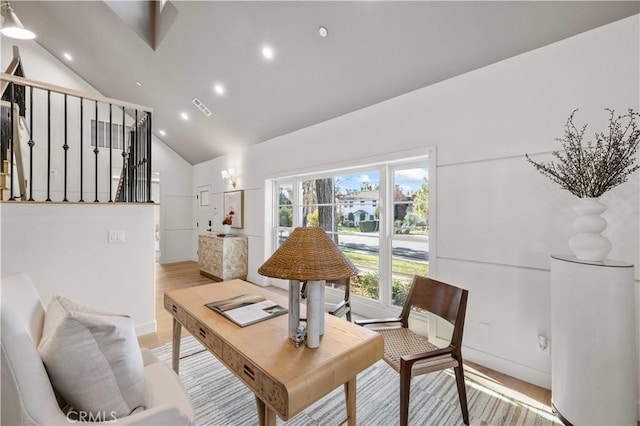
(147, 328)
(508, 367)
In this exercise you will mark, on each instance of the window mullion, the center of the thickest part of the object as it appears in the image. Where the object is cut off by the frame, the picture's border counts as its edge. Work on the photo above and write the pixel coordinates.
(384, 284)
(295, 201)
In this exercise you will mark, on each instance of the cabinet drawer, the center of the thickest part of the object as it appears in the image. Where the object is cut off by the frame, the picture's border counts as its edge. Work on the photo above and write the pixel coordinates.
(210, 340)
(270, 391)
(176, 311)
(215, 245)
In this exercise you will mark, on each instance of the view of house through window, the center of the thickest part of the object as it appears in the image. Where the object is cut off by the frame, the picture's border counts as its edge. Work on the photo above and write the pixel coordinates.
(378, 216)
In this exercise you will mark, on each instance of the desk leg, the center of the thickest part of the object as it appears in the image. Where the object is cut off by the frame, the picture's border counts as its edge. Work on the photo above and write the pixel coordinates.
(177, 331)
(266, 416)
(350, 396)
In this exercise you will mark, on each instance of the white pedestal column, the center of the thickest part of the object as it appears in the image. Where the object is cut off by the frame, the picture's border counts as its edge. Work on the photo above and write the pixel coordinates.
(593, 333)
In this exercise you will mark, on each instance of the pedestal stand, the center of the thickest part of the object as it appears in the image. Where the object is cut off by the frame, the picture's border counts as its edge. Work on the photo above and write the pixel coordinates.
(593, 333)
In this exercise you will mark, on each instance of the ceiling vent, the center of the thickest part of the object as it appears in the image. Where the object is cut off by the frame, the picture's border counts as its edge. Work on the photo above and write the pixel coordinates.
(202, 107)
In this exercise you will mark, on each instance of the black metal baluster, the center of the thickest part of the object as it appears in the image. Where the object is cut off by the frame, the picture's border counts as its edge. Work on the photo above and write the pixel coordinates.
(13, 100)
(141, 144)
(48, 145)
(136, 137)
(96, 151)
(81, 145)
(143, 156)
(110, 153)
(143, 161)
(149, 150)
(123, 176)
(31, 143)
(66, 148)
(130, 160)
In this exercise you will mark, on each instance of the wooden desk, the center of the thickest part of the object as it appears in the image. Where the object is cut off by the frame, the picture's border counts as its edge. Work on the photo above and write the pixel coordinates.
(285, 379)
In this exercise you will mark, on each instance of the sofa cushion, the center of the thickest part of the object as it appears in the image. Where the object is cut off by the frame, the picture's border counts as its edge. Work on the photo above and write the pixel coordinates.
(93, 359)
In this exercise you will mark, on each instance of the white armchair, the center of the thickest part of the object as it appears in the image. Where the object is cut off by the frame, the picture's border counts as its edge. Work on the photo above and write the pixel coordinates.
(27, 395)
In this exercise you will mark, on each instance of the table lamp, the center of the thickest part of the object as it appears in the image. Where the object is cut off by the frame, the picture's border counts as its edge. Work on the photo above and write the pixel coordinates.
(308, 254)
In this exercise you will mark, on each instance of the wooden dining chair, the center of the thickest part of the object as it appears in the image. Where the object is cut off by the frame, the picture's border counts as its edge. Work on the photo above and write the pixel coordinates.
(343, 307)
(411, 354)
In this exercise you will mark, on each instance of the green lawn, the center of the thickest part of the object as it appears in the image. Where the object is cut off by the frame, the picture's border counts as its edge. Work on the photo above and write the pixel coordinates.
(367, 261)
(400, 266)
(403, 272)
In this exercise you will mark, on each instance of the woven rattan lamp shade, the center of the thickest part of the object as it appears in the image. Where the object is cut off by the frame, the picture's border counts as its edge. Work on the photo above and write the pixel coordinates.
(308, 255)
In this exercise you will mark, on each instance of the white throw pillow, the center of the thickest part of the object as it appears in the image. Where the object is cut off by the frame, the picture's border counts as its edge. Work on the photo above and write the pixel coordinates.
(93, 359)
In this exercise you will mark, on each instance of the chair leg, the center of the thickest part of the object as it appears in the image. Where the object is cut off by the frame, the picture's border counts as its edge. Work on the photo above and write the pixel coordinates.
(405, 387)
(462, 392)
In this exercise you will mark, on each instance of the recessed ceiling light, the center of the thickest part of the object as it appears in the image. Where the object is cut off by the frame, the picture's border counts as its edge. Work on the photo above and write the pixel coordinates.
(323, 31)
(68, 56)
(219, 89)
(162, 132)
(138, 84)
(267, 52)
(184, 116)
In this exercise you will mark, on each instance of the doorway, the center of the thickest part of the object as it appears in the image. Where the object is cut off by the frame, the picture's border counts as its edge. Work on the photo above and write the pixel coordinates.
(203, 198)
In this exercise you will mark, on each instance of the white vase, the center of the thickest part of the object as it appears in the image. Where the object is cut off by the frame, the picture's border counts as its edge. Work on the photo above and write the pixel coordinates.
(587, 243)
(226, 229)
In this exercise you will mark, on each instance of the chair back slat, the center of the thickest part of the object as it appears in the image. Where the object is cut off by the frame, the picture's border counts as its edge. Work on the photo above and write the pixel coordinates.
(441, 299)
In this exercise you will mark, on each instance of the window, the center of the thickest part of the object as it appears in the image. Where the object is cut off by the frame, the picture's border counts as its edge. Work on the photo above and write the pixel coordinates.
(377, 215)
(410, 238)
(103, 135)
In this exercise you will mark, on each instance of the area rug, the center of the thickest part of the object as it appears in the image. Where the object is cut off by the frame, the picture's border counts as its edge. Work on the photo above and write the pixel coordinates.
(221, 399)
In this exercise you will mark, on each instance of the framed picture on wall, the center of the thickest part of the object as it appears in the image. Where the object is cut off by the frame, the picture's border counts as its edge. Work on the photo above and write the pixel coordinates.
(234, 202)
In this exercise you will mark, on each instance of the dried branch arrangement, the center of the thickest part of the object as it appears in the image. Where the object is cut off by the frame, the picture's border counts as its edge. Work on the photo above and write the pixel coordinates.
(592, 170)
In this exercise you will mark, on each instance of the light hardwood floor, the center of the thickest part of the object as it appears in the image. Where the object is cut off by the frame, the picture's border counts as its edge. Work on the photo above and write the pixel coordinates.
(186, 274)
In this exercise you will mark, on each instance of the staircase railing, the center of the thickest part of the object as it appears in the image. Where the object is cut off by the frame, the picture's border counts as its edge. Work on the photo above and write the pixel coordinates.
(74, 138)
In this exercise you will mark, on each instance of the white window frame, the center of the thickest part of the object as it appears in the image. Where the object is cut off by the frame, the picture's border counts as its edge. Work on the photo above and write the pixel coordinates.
(387, 164)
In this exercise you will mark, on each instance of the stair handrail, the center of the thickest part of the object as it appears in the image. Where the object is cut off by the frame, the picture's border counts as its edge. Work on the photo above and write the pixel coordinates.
(141, 116)
(22, 81)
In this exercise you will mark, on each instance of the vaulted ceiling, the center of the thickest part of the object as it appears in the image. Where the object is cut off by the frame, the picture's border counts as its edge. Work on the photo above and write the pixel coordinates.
(374, 51)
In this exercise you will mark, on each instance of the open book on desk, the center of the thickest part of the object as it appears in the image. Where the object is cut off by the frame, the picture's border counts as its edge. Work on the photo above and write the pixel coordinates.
(247, 309)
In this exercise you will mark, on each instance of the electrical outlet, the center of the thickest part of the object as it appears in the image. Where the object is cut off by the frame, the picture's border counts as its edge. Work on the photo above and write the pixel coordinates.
(543, 345)
(116, 236)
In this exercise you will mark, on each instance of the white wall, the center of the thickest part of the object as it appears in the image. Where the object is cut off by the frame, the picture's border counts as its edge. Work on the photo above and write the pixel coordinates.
(64, 249)
(498, 220)
(177, 227)
(177, 232)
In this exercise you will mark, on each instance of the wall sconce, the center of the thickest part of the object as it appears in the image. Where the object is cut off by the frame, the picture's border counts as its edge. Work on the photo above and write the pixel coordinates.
(230, 176)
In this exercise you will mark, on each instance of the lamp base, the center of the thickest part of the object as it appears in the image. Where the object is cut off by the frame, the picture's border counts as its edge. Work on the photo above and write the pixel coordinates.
(315, 312)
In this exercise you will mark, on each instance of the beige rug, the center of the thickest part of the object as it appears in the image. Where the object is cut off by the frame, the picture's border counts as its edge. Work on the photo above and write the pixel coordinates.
(220, 398)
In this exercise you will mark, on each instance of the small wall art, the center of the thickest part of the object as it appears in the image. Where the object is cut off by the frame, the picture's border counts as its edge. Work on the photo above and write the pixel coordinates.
(234, 202)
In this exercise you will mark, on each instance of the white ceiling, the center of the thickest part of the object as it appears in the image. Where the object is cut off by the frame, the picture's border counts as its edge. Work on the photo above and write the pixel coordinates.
(374, 51)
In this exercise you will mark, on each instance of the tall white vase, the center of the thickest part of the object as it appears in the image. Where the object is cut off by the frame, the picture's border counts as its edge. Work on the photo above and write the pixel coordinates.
(587, 243)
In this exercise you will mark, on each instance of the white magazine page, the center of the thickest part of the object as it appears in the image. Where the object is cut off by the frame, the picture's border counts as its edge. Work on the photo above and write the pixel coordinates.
(252, 313)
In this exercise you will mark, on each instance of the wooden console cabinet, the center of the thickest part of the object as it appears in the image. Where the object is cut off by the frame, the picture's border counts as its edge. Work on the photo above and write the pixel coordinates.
(222, 258)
